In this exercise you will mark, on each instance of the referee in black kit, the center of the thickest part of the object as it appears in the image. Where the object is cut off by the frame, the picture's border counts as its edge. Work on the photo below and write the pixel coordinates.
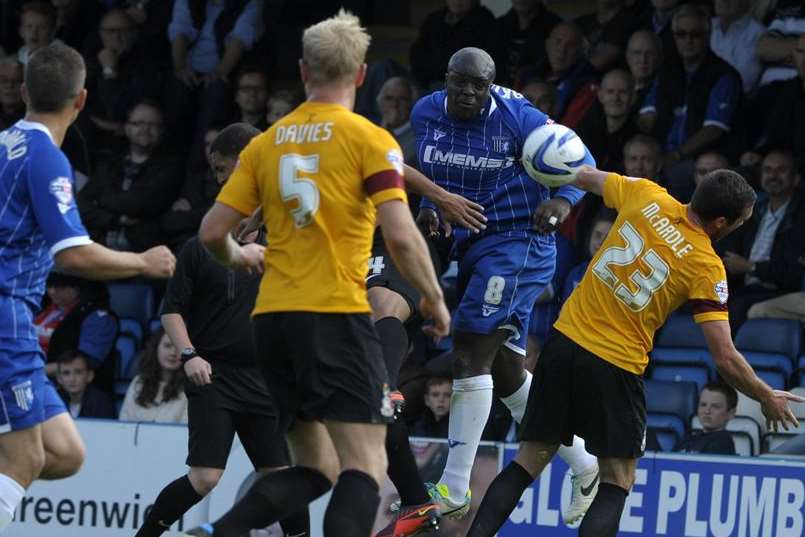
(206, 313)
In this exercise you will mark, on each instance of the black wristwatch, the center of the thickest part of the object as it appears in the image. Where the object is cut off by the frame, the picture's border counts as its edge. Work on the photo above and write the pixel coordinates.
(187, 354)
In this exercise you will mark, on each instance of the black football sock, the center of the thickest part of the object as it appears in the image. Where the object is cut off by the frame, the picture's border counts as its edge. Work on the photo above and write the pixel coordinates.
(273, 497)
(353, 506)
(604, 515)
(403, 470)
(297, 525)
(500, 500)
(394, 340)
(175, 500)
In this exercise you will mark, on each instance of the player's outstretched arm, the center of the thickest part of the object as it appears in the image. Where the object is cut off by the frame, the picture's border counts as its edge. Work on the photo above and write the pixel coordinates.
(455, 209)
(591, 180)
(410, 254)
(215, 234)
(96, 262)
(734, 368)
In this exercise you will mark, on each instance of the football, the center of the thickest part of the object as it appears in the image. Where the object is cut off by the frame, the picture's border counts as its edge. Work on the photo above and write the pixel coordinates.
(553, 154)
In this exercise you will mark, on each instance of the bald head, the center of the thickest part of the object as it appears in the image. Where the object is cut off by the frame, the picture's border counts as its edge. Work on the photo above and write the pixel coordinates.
(474, 62)
(470, 73)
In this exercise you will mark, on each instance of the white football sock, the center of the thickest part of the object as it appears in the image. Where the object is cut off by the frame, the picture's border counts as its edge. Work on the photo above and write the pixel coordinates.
(517, 402)
(469, 411)
(576, 456)
(11, 494)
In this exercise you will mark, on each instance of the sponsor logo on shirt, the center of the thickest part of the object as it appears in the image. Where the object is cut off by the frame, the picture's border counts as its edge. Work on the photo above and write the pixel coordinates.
(395, 158)
(62, 189)
(432, 155)
(722, 291)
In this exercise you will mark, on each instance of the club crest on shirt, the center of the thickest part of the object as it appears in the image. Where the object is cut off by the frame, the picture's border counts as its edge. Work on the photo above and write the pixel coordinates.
(62, 189)
(395, 158)
(23, 395)
(722, 291)
(501, 144)
(438, 135)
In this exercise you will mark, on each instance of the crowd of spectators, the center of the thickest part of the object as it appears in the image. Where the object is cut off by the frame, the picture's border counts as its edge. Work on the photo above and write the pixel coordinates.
(663, 89)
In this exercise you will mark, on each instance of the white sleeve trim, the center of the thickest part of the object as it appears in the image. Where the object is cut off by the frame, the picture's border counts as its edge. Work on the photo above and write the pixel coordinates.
(70, 242)
(647, 110)
(714, 123)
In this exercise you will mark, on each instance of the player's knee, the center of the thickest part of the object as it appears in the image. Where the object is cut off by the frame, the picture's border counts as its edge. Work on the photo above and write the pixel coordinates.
(372, 462)
(204, 479)
(30, 467)
(619, 475)
(74, 459)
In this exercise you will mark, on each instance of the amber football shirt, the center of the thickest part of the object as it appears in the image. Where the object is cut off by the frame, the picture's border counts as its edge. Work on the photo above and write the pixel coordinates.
(318, 174)
(653, 260)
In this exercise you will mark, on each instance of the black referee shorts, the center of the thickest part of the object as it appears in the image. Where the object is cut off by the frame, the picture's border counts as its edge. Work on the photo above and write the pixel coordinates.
(323, 366)
(574, 392)
(237, 401)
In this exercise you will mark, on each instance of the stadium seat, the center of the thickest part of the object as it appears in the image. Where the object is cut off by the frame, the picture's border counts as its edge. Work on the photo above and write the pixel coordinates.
(745, 432)
(126, 348)
(771, 376)
(771, 439)
(132, 299)
(133, 328)
(154, 325)
(667, 438)
(697, 373)
(771, 346)
(798, 378)
(743, 443)
(681, 342)
(798, 408)
(670, 404)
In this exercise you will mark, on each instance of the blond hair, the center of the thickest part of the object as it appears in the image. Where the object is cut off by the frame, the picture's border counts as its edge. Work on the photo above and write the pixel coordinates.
(335, 48)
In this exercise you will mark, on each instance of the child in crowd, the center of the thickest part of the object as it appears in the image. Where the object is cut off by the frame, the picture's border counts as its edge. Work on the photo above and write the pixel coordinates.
(434, 421)
(717, 404)
(83, 399)
(156, 394)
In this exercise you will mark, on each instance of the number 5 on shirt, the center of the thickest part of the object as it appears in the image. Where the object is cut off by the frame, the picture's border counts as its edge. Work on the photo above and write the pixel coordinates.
(293, 187)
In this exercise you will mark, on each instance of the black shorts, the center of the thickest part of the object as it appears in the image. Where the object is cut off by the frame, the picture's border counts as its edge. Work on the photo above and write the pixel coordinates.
(323, 366)
(383, 273)
(574, 392)
(237, 401)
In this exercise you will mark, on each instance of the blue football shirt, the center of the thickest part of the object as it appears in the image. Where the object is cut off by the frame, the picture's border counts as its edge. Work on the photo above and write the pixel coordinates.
(38, 219)
(480, 159)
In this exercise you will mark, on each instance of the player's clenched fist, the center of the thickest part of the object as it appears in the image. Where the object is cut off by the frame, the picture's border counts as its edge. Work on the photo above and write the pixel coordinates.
(159, 262)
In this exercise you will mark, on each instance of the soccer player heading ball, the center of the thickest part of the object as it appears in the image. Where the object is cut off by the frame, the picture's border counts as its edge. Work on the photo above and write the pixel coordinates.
(470, 139)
